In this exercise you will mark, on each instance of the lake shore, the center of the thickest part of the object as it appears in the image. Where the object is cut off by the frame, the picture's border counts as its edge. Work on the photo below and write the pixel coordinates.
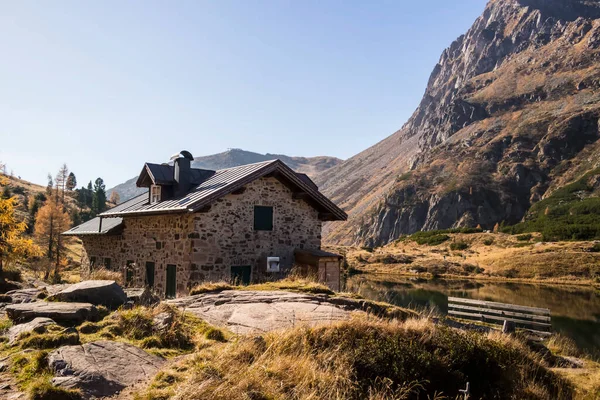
(481, 256)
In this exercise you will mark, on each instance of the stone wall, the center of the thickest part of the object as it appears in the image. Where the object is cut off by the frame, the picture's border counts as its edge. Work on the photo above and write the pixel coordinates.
(204, 246)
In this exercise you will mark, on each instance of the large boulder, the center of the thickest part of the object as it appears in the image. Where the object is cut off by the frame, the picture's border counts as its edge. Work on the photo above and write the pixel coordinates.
(105, 293)
(67, 313)
(26, 295)
(246, 312)
(102, 368)
(37, 323)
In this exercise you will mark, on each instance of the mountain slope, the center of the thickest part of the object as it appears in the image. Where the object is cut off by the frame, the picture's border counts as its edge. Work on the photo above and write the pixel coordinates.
(510, 113)
(234, 158)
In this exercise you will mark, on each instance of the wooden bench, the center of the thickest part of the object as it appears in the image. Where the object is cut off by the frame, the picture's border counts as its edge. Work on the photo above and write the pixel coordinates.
(531, 318)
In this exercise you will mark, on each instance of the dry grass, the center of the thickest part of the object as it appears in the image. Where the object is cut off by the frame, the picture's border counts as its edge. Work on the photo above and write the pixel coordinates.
(292, 284)
(487, 256)
(364, 358)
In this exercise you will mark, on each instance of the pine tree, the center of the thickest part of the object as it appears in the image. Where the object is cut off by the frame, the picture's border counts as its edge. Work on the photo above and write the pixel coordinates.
(71, 182)
(13, 246)
(90, 197)
(52, 220)
(99, 200)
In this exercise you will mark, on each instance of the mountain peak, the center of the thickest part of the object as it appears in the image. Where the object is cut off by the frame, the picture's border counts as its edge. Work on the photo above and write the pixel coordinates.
(509, 101)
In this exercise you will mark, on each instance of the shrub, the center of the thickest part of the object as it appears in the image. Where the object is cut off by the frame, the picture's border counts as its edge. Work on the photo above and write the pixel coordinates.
(569, 213)
(595, 248)
(488, 242)
(524, 238)
(459, 246)
(215, 334)
(433, 238)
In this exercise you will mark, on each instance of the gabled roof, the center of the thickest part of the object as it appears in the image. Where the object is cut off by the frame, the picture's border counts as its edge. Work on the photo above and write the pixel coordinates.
(223, 182)
(93, 227)
(163, 174)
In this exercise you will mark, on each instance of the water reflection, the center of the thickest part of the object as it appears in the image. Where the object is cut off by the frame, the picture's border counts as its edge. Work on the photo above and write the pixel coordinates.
(575, 310)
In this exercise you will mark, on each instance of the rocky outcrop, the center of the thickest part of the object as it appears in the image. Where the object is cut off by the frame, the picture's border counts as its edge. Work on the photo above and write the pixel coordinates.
(102, 368)
(37, 323)
(66, 313)
(105, 293)
(141, 296)
(246, 312)
(511, 107)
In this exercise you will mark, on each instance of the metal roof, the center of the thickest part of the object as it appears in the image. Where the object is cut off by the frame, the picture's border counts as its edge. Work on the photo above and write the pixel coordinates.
(219, 184)
(92, 227)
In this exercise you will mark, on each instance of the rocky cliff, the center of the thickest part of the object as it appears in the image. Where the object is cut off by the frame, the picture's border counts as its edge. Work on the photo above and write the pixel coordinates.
(510, 113)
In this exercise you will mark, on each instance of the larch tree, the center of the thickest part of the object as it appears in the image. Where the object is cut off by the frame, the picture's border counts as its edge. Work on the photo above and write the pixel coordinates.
(52, 219)
(61, 181)
(114, 197)
(13, 245)
(71, 182)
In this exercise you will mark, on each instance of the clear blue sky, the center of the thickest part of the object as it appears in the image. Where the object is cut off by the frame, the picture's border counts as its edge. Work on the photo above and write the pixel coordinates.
(107, 85)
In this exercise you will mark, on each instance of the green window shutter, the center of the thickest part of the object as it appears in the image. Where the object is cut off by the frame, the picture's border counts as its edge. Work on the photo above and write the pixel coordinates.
(263, 218)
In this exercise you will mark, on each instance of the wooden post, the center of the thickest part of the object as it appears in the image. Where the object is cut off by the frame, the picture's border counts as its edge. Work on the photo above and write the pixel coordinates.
(508, 327)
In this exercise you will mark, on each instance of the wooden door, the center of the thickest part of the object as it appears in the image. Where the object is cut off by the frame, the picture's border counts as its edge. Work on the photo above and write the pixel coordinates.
(240, 274)
(150, 274)
(171, 291)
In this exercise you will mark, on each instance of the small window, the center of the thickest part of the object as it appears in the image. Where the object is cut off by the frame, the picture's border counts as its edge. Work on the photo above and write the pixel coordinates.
(263, 218)
(92, 261)
(107, 263)
(155, 193)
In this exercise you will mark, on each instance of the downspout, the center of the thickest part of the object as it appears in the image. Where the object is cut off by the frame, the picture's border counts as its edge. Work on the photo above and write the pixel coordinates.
(100, 227)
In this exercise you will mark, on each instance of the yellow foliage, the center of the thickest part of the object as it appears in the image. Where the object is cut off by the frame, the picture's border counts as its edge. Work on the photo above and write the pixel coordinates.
(13, 246)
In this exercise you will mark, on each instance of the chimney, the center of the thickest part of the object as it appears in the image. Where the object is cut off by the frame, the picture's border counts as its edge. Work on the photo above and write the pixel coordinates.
(182, 172)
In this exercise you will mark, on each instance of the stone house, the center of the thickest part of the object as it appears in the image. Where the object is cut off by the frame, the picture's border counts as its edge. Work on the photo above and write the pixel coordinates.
(242, 224)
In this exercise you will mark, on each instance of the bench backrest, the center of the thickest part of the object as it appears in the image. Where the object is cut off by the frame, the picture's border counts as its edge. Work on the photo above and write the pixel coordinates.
(532, 318)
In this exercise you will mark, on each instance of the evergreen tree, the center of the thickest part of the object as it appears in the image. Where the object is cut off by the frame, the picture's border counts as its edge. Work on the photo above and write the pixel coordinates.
(89, 198)
(99, 200)
(71, 182)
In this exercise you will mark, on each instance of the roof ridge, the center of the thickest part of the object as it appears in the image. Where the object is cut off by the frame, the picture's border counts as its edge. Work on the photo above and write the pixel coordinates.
(266, 162)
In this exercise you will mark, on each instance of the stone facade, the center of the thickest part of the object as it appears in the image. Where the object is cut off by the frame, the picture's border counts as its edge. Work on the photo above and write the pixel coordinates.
(205, 245)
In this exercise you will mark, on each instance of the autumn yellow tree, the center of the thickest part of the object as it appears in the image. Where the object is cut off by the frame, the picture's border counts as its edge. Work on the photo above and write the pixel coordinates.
(14, 246)
(52, 219)
(115, 198)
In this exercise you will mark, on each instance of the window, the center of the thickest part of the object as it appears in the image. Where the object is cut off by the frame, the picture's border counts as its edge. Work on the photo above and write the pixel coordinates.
(155, 193)
(107, 263)
(263, 218)
(92, 261)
